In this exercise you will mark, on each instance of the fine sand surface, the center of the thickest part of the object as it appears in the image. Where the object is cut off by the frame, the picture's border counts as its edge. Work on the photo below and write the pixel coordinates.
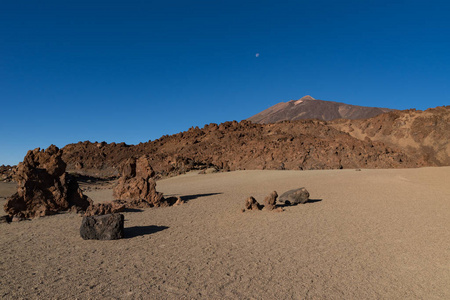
(370, 234)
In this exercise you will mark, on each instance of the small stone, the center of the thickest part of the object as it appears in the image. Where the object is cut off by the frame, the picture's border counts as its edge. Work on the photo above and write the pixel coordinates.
(252, 204)
(18, 218)
(179, 201)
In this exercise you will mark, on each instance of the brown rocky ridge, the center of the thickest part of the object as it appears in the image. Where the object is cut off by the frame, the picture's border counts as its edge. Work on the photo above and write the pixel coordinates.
(398, 139)
(6, 173)
(44, 187)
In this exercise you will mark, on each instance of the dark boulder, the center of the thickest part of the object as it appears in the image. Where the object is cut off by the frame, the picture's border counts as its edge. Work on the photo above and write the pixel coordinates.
(105, 227)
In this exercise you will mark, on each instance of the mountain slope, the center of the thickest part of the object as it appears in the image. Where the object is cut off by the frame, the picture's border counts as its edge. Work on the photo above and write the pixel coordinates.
(309, 108)
(418, 133)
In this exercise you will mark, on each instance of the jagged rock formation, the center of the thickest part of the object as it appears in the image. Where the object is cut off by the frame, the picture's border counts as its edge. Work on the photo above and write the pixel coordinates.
(136, 185)
(252, 204)
(309, 108)
(6, 173)
(44, 187)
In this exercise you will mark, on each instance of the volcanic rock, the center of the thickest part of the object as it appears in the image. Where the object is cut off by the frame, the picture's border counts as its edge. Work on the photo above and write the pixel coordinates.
(252, 204)
(44, 188)
(294, 197)
(136, 185)
(105, 227)
(270, 201)
(105, 208)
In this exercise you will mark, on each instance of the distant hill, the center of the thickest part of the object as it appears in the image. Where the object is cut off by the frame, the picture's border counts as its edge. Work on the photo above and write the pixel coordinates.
(309, 108)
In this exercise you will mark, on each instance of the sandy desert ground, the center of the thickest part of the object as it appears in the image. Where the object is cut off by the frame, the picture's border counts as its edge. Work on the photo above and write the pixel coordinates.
(370, 234)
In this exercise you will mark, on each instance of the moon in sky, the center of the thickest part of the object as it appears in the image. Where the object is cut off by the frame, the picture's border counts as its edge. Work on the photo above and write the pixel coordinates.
(257, 55)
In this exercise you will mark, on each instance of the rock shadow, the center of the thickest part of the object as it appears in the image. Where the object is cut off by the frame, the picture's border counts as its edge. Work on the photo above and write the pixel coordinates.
(187, 198)
(309, 201)
(91, 179)
(133, 210)
(313, 201)
(131, 232)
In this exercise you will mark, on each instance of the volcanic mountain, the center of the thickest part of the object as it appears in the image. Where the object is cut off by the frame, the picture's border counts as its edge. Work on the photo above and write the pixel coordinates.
(309, 108)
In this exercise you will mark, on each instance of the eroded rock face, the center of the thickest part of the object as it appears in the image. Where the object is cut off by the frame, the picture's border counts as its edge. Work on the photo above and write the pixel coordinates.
(136, 185)
(44, 188)
(294, 197)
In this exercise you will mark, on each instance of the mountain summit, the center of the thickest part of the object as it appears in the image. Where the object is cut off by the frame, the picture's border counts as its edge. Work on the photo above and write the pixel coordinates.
(309, 108)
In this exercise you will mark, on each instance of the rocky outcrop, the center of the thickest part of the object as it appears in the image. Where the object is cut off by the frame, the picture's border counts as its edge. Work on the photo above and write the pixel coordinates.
(252, 204)
(300, 145)
(112, 207)
(424, 136)
(294, 197)
(270, 202)
(136, 186)
(399, 139)
(7, 173)
(105, 227)
(44, 188)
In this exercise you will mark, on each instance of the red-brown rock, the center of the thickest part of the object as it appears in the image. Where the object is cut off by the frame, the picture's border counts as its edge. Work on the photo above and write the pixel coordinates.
(105, 208)
(252, 204)
(6, 173)
(136, 185)
(44, 188)
(270, 201)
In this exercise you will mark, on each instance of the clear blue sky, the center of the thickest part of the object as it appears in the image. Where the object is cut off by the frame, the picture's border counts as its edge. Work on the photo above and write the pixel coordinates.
(130, 71)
